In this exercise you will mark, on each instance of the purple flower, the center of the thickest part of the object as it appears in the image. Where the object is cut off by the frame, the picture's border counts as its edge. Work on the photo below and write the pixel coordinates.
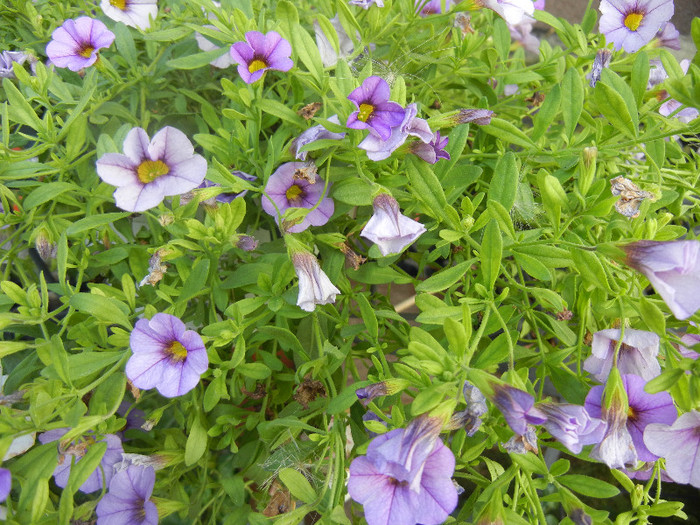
(378, 149)
(433, 150)
(128, 499)
(522, 32)
(512, 11)
(431, 7)
(539, 4)
(314, 285)
(517, 406)
(673, 268)
(312, 135)
(247, 243)
(76, 43)
(690, 340)
(365, 4)
(388, 387)
(375, 111)
(405, 478)
(288, 187)
(75, 452)
(643, 409)
(571, 425)
(637, 355)
(669, 36)
(5, 483)
(388, 228)
(7, 58)
(259, 53)
(630, 24)
(679, 445)
(148, 172)
(166, 356)
(600, 62)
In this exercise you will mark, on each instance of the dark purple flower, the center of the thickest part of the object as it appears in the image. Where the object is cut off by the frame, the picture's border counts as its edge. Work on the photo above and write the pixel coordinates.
(5, 483)
(229, 197)
(405, 478)
(166, 356)
(128, 499)
(630, 24)
(7, 58)
(375, 111)
(679, 445)
(289, 187)
(673, 268)
(388, 387)
(571, 425)
(668, 36)
(637, 355)
(259, 53)
(643, 409)
(313, 134)
(135, 417)
(600, 62)
(378, 149)
(75, 452)
(76, 43)
(314, 285)
(147, 172)
(388, 228)
(432, 151)
(517, 406)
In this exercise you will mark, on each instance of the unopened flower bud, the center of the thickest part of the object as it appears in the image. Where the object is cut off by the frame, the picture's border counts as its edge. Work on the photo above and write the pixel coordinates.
(587, 168)
(44, 246)
(247, 243)
(601, 61)
(383, 388)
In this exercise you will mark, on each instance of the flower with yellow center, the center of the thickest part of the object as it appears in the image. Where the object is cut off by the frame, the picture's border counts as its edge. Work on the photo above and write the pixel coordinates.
(294, 193)
(365, 112)
(633, 20)
(256, 65)
(119, 4)
(150, 170)
(86, 51)
(176, 352)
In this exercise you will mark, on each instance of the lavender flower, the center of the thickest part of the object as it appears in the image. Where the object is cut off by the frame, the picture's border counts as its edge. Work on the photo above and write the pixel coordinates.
(75, 452)
(512, 11)
(365, 4)
(166, 356)
(431, 7)
(668, 36)
(388, 228)
(600, 62)
(673, 268)
(637, 355)
(522, 32)
(405, 478)
(314, 285)
(539, 4)
(375, 111)
(148, 172)
(312, 135)
(433, 150)
(571, 425)
(378, 149)
(5, 483)
(690, 340)
(7, 58)
(643, 409)
(76, 43)
(259, 53)
(247, 243)
(630, 24)
(134, 13)
(517, 406)
(128, 499)
(679, 445)
(288, 188)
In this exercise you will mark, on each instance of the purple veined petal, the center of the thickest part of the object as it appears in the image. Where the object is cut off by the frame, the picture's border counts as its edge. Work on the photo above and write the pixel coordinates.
(184, 176)
(116, 169)
(174, 381)
(679, 444)
(171, 146)
(136, 145)
(145, 371)
(144, 339)
(77, 30)
(322, 214)
(241, 53)
(168, 326)
(276, 48)
(61, 51)
(136, 198)
(257, 41)
(438, 495)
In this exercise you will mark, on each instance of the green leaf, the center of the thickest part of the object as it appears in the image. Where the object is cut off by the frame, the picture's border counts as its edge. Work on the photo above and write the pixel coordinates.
(298, 485)
(504, 182)
(196, 443)
(428, 398)
(281, 111)
(19, 110)
(665, 381)
(345, 399)
(83, 469)
(427, 188)
(371, 273)
(533, 266)
(85, 364)
(94, 222)
(46, 192)
(613, 106)
(103, 308)
(652, 316)
(501, 38)
(640, 77)
(491, 253)
(368, 316)
(594, 488)
(59, 357)
(530, 463)
(590, 268)
(286, 339)
(548, 110)
(353, 191)
(444, 278)
(507, 132)
(197, 60)
(307, 50)
(196, 281)
(572, 102)
(254, 370)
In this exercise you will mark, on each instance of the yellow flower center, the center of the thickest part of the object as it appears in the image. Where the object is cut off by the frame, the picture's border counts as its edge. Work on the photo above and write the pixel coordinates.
(150, 170)
(256, 65)
(119, 4)
(366, 111)
(294, 192)
(633, 20)
(176, 352)
(86, 50)
(631, 414)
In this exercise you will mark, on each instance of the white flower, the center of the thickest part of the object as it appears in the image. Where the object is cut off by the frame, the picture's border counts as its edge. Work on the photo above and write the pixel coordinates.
(512, 11)
(134, 13)
(329, 57)
(314, 285)
(389, 229)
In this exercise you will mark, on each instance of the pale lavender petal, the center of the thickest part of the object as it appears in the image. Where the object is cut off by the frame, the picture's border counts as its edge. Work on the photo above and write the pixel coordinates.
(117, 169)
(136, 145)
(5, 483)
(137, 198)
(679, 444)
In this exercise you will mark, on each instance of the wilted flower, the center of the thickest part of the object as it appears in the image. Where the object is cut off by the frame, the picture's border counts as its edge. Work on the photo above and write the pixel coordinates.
(286, 191)
(637, 355)
(259, 53)
(314, 285)
(329, 56)
(313, 134)
(166, 356)
(388, 228)
(247, 243)
(128, 499)
(388, 387)
(405, 478)
(482, 117)
(75, 452)
(134, 13)
(668, 36)
(375, 111)
(522, 443)
(600, 62)
(365, 4)
(631, 196)
(630, 24)
(517, 406)
(571, 425)
(378, 149)
(512, 11)
(673, 268)
(76, 43)
(5, 483)
(679, 445)
(7, 58)
(470, 418)
(148, 172)
(431, 7)
(433, 150)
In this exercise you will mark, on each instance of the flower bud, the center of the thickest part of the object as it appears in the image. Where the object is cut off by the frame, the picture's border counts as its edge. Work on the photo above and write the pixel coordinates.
(587, 168)
(44, 246)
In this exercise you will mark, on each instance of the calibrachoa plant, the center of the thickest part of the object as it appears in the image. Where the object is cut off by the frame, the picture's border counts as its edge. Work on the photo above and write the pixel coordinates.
(348, 262)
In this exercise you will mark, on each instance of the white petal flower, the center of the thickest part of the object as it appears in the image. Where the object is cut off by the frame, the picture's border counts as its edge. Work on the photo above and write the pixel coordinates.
(314, 285)
(134, 13)
(389, 229)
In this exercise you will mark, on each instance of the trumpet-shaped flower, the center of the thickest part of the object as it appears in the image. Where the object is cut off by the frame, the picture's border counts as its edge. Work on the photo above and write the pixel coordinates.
(388, 228)
(679, 445)
(314, 285)
(128, 499)
(470, 417)
(668, 36)
(637, 354)
(259, 53)
(379, 149)
(166, 356)
(76, 43)
(630, 24)
(572, 425)
(134, 13)
(329, 56)
(147, 172)
(432, 151)
(374, 110)
(518, 407)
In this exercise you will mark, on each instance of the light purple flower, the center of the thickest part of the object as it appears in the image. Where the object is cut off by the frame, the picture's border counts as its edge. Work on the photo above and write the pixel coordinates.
(365, 4)
(643, 409)
(76, 43)
(539, 4)
(166, 356)
(690, 340)
(637, 354)
(375, 111)
(259, 53)
(388, 228)
(522, 32)
(7, 58)
(379, 149)
(247, 243)
(517, 406)
(134, 13)
(433, 150)
(630, 24)
(288, 188)
(128, 499)
(225, 60)
(512, 11)
(148, 172)
(5, 483)
(673, 268)
(679, 445)
(668, 36)
(314, 285)
(600, 62)
(75, 452)
(405, 478)
(571, 425)
(431, 7)
(313, 134)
